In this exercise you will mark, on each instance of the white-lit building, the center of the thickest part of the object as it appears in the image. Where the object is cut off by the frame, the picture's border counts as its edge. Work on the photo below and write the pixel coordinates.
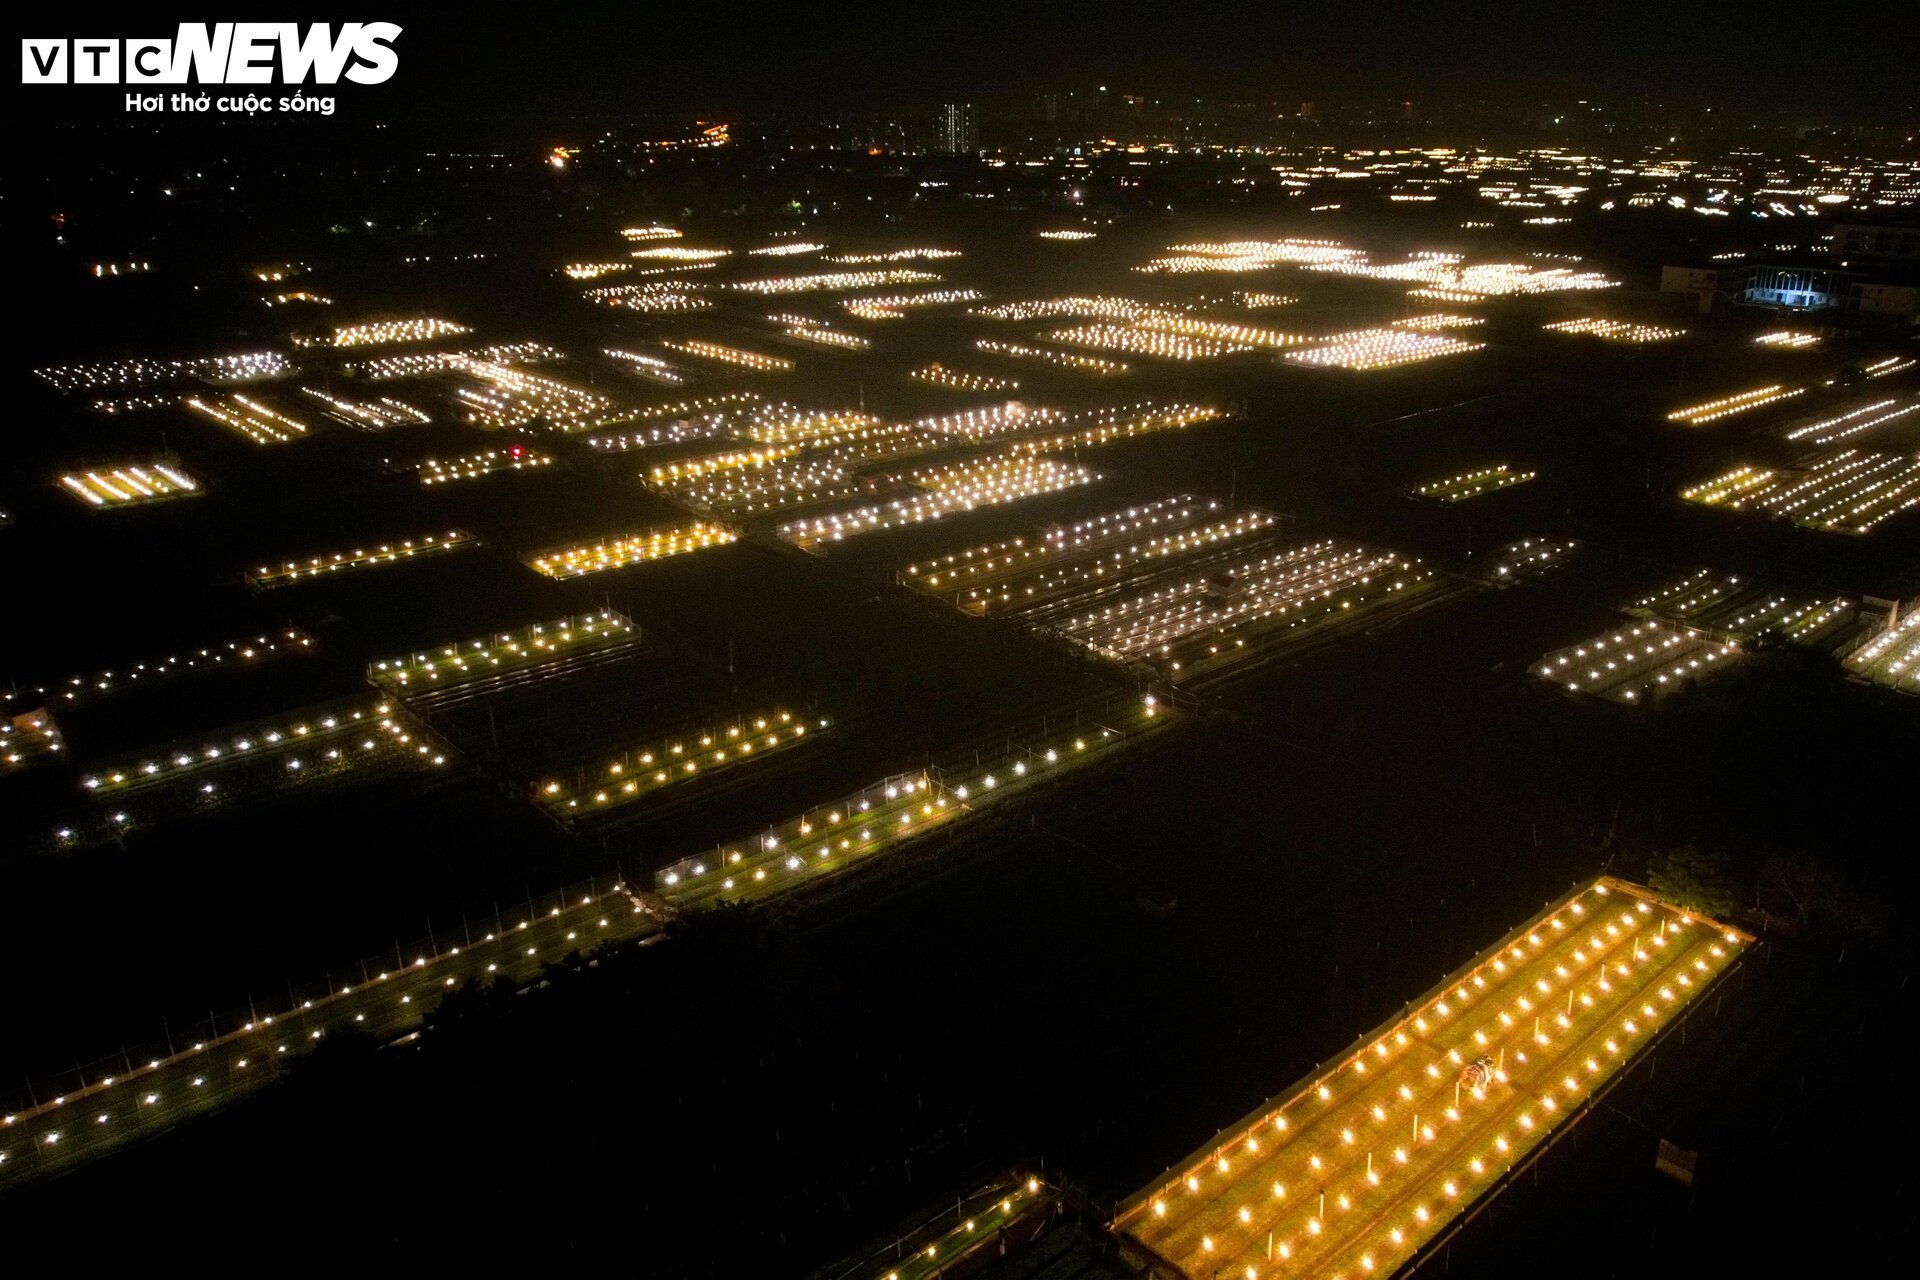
(956, 129)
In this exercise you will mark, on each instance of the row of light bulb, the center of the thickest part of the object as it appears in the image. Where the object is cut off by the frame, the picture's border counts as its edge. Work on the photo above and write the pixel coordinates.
(835, 281)
(250, 418)
(534, 644)
(723, 354)
(639, 548)
(381, 333)
(893, 306)
(1622, 331)
(1369, 349)
(288, 572)
(367, 414)
(140, 370)
(1470, 483)
(126, 485)
(1143, 342)
(420, 364)
(641, 772)
(1076, 361)
(964, 487)
(1726, 406)
(1852, 423)
(941, 375)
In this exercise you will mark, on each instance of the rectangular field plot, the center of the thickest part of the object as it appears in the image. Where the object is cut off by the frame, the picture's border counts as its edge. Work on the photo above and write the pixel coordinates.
(751, 482)
(1638, 662)
(502, 396)
(593, 270)
(1737, 607)
(1069, 360)
(1727, 406)
(1042, 430)
(1102, 552)
(129, 485)
(940, 375)
(1620, 331)
(366, 413)
(372, 556)
(925, 254)
(809, 460)
(1433, 320)
(1888, 366)
(485, 462)
(140, 371)
(249, 417)
(1144, 342)
(1891, 659)
(632, 775)
(720, 353)
(804, 471)
(1693, 627)
(966, 1235)
(1532, 558)
(293, 733)
(242, 654)
(1225, 331)
(820, 333)
(1368, 349)
(384, 333)
(834, 281)
(1364, 1164)
(352, 741)
(777, 423)
(678, 422)
(1840, 491)
(653, 297)
(1210, 612)
(880, 818)
(1471, 484)
(894, 306)
(965, 486)
(1880, 414)
(637, 548)
(424, 364)
(28, 738)
(1235, 256)
(1448, 277)
(1077, 306)
(506, 659)
(681, 253)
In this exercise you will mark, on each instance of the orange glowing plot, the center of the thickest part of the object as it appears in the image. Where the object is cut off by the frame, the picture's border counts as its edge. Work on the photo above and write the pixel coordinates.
(638, 548)
(1374, 1158)
(128, 485)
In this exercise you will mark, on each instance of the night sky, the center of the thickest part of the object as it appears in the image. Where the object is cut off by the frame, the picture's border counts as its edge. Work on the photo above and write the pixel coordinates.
(1803, 64)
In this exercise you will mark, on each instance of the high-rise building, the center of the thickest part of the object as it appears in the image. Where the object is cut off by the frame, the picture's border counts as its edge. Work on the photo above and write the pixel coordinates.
(956, 130)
